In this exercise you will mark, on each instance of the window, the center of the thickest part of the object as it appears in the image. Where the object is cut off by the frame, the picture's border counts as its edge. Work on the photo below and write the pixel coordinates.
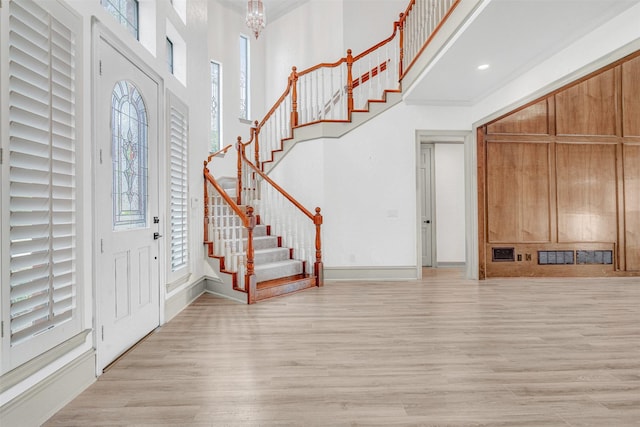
(178, 193)
(126, 13)
(244, 77)
(41, 281)
(129, 130)
(170, 55)
(215, 133)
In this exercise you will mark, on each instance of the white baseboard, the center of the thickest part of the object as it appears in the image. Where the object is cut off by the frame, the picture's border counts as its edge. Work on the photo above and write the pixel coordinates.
(451, 264)
(222, 289)
(371, 273)
(43, 400)
(183, 298)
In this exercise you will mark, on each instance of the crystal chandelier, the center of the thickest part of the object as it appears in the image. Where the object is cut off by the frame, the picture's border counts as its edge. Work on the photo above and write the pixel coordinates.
(255, 16)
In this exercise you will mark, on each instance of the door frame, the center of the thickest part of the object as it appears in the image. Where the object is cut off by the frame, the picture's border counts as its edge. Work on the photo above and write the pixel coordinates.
(100, 31)
(432, 203)
(434, 137)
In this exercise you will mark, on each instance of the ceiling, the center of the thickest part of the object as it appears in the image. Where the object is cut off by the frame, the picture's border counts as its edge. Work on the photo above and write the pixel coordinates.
(274, 9)
(511, 36)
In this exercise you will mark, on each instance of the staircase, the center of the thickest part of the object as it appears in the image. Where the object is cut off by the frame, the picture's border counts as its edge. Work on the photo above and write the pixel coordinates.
(276, 271)
(265, 243)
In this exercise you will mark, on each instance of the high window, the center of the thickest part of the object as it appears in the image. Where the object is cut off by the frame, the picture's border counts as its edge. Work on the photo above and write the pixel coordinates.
(170, 55)
(244, 77)
(126, 13)
(215, 132)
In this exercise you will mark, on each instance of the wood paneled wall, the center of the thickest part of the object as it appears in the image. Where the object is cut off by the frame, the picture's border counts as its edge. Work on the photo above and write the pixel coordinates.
(563, 173)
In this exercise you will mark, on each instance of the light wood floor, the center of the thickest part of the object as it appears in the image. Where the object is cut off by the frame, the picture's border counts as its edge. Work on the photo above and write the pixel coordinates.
(440, 352)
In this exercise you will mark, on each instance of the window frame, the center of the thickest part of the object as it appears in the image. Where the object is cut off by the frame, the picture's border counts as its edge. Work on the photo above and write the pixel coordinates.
(245, 84)
(213, 132)
(121, 16)
(169, 55)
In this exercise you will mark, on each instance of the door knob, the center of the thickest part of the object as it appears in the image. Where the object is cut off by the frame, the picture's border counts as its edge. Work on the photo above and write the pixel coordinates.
(156, 235)
(427, 221)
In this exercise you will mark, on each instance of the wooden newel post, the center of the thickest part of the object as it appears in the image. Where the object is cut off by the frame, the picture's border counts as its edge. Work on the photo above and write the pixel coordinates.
(294, 98)
(250, 278)
(256, 147)
(318, 268)
(206, 204)
(349, 83)
(401, 60)
(240, 149)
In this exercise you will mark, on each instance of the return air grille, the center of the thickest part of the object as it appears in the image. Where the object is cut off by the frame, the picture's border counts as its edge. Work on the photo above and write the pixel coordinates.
(503, 254)
(555, 257)
(595, 257)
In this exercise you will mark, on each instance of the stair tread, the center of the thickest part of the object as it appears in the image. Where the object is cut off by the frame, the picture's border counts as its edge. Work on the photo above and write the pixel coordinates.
(267, 250)
(276, 264)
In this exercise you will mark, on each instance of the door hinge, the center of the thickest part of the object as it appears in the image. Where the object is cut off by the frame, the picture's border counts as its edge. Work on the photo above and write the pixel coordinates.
(101, 156)
(100, 67)
(102, 333)
(1, 153)
(101, 246)
(2, 329)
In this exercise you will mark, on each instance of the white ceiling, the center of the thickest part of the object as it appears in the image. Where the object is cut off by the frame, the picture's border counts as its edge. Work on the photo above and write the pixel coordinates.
(511, 36)
(273, 8)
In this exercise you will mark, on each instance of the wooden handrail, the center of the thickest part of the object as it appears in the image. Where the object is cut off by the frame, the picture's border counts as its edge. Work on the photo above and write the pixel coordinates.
(248, 219)
(278, 188)
(322, 65)
(431, 36)
(217, 153)
(316, 218)
(225, 196)
(275, 106)
(291, 89)
(379, 45)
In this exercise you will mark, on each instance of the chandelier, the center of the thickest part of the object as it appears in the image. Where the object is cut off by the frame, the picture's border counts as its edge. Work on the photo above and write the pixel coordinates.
(255, 16)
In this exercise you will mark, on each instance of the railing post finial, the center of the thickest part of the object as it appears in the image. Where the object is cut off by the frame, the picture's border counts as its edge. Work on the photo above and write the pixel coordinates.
(401, 38)
(294, 98)
(349, 83)
(318, 267)
(240, 148)
(256, 147)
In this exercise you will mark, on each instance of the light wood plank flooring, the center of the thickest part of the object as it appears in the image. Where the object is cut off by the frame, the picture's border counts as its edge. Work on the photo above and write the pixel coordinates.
(438, 352)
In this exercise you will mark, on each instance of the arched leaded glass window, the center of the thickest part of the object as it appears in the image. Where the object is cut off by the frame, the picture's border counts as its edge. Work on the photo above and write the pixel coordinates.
(129, 136)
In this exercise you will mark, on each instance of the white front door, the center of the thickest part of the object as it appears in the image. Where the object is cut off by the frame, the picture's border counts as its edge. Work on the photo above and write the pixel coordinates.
(126, 200)
(426, 202)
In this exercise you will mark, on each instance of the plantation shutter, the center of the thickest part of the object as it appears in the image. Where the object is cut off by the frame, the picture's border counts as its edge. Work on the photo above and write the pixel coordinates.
(42, 175)
(179, 193)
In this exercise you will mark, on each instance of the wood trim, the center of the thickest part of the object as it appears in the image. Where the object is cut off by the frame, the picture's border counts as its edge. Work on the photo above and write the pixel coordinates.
(553, 176)
(482, 202)
(594, 207)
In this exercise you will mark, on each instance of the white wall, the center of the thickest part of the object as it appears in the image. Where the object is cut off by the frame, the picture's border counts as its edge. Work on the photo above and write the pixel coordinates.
(368, 22)
(224, 28)
(450, 203)
(308, 35)
(365, 183)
